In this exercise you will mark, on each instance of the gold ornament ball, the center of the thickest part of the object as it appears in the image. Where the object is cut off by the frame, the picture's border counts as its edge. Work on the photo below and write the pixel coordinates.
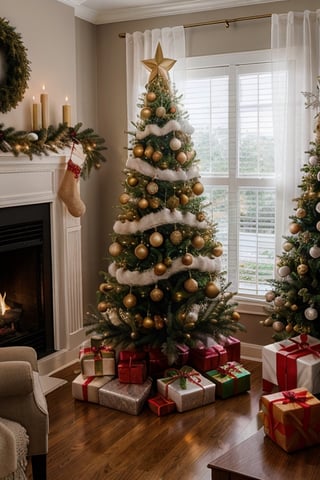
(235, 316)
(189, 325)
(143, 203)
(134, 335)
(301, 213)
(151, 96)
(157, 156)
(124, 198)
(132, 181)
(181, 157)
(102, 306)
(191, 285)
(154, 203)
(302, 269)
(198, 242)
(198, 188)
(158, 322)
(176, 237)
(160, 269)
(289, 328)
(149, 150)
(105, 287)
(129, 300)
(138, 318)
(268, 322)
(173, 109)
(294, 228)
(201, 217)
(184, 199)
(173, 202)
(178, 296)
(217, 251)
(146, 113)
(115, 249)
(141, 251)
(138, 150)
(269, 296)
(212, 290)
(156, 294)
(187, 259)
(148, 322)
(287, 246)
(156, 239)
(160, 112)
(167, 261)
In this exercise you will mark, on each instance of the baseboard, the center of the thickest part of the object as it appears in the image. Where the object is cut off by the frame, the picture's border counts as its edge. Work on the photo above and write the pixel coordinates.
(251, 351)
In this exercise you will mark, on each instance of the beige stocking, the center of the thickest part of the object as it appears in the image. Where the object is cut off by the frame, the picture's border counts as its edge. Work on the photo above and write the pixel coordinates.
(69, 190)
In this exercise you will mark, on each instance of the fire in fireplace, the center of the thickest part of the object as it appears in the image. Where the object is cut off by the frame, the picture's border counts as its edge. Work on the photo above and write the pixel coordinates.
(26, 312)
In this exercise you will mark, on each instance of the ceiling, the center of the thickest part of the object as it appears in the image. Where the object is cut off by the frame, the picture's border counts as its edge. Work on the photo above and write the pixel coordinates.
(111, 11)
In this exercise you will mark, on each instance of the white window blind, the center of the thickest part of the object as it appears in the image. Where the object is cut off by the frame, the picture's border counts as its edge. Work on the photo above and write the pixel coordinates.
(229, 101)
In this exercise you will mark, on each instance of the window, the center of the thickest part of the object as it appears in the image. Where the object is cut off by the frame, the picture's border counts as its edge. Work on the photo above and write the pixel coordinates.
(229, 102)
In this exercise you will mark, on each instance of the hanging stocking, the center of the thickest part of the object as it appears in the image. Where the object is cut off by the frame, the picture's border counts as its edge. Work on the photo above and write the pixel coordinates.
(69, 189)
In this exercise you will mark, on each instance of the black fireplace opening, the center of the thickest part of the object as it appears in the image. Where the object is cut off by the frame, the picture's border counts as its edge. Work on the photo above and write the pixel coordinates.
(26, 310)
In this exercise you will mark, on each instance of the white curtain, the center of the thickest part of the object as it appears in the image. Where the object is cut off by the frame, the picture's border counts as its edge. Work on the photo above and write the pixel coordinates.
(142, 46)
(295, 45)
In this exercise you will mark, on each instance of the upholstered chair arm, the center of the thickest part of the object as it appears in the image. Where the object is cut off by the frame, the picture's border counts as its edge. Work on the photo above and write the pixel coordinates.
(16, 379)
(27, 354)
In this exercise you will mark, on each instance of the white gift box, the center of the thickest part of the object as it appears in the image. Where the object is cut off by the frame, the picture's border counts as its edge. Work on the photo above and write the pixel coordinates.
(87, 388)
(195, 395)
(299, 365)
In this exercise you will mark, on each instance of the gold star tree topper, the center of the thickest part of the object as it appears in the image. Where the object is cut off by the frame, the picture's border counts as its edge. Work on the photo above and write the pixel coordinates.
(159, 65)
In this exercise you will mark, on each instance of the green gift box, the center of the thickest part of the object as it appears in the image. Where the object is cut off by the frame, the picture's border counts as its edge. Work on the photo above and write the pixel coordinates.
(230, 379)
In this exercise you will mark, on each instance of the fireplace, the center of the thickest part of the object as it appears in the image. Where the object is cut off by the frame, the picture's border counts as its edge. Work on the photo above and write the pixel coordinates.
(46, 245)
(26, 278)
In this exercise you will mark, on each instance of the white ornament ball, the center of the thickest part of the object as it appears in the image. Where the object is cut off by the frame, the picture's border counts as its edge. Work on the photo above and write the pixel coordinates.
(269, 296)
(318, 176)
(33, 137)
(278, 326)
(284, 271)
(175, 144)
(314, 251)
(160, 112)
(318, 206)
(279, 301)
(310, 313)
(287, 246)
(318, 226)
(313, 160)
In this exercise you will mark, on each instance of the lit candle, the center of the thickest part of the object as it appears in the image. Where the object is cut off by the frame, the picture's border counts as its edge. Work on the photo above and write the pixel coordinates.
(44, 108)
(35, 115)
(66, 113)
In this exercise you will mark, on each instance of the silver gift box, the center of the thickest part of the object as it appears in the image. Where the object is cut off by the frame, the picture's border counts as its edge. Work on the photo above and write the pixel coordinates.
(126, 397)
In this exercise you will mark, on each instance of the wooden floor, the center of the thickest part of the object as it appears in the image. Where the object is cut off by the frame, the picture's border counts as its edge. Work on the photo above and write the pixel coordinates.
(92, 442)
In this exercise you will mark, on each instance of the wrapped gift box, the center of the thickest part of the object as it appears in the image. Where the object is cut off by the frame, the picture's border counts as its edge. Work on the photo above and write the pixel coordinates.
(292, 418)
(136, 355)
(161, 405)
(187, 388)
(230, 379)
(87, 388)
(157, 362)
(132, 371)
(182, 355)
(292, 363)
(205, 358)
(126, 397)
(97, 360)
(233, 347)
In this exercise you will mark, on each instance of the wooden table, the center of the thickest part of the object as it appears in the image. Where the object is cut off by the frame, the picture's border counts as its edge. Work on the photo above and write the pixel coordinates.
(259, 458)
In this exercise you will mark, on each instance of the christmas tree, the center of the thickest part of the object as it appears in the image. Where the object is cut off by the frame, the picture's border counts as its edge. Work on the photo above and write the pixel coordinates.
(163, 286)
(294, 300)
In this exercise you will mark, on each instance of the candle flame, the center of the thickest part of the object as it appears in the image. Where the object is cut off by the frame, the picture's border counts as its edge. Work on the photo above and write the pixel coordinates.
(43, 87)
(67, 99)
(3, 306)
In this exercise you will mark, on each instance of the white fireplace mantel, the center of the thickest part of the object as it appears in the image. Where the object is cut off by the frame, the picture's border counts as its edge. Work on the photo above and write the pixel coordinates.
(24, 182)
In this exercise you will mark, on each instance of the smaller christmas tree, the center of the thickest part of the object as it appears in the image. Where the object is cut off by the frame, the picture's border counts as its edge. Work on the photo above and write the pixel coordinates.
(294, 300)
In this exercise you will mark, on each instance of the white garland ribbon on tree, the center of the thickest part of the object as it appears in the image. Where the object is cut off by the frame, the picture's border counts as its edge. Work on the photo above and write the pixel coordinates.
(171, 126)
(148, 170)
(153, 220)
(126, 277)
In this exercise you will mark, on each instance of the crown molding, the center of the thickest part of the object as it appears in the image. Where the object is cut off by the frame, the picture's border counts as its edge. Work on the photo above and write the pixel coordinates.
(114, 15)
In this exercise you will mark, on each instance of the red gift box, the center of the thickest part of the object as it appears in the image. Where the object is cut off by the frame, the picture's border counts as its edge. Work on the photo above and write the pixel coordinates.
(232, 345)
(132, 371)
(161, 405)
(183, 355)
(126, 355)
(205, 358)
(157, 362)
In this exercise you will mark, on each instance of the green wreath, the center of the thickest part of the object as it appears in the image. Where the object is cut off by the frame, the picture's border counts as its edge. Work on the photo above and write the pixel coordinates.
(17, 67)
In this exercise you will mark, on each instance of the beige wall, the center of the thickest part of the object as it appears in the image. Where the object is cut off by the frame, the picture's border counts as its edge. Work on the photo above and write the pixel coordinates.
(87, 63)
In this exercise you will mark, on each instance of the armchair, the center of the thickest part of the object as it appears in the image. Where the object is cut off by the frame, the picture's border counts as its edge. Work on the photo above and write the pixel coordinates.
(22, 401)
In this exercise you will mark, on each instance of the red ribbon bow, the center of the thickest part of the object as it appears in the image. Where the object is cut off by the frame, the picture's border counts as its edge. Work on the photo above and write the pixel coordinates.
(229, 369)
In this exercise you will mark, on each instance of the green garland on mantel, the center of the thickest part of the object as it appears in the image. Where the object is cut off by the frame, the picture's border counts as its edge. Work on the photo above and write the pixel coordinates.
(52, 140)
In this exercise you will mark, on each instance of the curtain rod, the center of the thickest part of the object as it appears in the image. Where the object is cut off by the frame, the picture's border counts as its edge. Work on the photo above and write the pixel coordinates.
(226, 22)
